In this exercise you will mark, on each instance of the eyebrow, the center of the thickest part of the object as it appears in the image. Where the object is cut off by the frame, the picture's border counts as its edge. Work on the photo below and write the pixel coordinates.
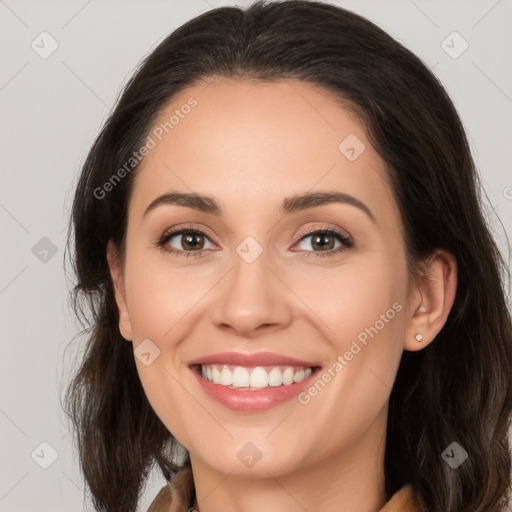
(290, 204)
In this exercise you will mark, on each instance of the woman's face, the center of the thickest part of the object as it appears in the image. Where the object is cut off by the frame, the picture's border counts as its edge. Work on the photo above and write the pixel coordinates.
(266, 280)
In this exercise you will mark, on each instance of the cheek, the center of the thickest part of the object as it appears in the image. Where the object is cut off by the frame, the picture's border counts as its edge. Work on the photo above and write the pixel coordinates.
(367, 302)
(158, 295)
(355, 298)
(361, 308)
(160, 303)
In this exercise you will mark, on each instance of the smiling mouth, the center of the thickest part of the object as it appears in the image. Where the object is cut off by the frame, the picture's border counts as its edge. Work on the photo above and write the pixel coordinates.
(243, 378)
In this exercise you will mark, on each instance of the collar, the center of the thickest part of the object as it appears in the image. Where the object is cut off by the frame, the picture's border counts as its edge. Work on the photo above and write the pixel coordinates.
(179, 495)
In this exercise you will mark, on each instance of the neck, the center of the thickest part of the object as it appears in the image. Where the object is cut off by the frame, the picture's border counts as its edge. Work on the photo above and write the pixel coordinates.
(351, 480)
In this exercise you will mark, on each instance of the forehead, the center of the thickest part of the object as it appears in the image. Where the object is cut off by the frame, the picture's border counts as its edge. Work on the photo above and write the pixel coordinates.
(252, 143)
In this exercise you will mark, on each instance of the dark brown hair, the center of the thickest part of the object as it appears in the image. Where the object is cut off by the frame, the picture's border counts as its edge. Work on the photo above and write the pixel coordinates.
(457, 389)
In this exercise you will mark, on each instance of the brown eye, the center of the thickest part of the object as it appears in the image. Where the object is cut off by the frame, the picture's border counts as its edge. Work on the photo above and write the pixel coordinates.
(323, 242)
(191, 241)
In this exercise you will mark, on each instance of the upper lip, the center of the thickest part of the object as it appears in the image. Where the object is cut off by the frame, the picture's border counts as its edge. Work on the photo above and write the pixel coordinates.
(249, 360)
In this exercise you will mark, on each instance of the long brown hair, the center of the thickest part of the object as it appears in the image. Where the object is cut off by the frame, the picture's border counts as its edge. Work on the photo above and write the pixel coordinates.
(457, 389)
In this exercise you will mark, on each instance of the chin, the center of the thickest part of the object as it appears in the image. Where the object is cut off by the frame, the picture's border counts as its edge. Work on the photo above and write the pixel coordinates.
(248, 461)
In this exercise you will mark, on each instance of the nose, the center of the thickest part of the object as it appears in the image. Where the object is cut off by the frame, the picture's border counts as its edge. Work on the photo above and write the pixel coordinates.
(252, 298)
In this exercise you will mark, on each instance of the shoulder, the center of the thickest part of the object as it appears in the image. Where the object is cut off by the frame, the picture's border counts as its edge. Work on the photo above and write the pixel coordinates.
(404, 500)
(177, 496)
(162, 501)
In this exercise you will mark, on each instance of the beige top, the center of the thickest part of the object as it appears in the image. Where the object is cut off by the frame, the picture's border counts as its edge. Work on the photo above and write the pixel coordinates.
(178, 496)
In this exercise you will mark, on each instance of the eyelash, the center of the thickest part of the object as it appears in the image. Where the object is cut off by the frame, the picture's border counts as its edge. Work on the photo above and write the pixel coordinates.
(345, 241)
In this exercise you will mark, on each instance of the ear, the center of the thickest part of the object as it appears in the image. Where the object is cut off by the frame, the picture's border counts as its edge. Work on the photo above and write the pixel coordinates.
(116, 273)
(431, 301)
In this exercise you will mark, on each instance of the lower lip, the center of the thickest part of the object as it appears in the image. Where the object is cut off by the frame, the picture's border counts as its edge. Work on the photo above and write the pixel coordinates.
(253, 401)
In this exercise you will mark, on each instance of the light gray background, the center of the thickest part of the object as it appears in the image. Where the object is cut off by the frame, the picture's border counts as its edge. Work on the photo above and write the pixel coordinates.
(51, 111)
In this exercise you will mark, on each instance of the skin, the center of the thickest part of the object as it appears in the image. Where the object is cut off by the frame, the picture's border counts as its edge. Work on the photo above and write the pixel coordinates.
(249, 145)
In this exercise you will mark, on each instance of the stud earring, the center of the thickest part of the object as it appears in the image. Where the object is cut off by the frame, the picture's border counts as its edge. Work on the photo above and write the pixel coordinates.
(419, 338)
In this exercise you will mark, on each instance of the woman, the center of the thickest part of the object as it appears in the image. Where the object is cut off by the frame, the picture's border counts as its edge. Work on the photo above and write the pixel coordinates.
(291, 281)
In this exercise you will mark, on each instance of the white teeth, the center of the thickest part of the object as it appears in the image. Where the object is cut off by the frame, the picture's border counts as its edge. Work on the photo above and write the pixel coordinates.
(299, 375)
(259, 378)
(288, 376)
(275, 377)
(239, 377)
(216, 376)
(226, 377)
